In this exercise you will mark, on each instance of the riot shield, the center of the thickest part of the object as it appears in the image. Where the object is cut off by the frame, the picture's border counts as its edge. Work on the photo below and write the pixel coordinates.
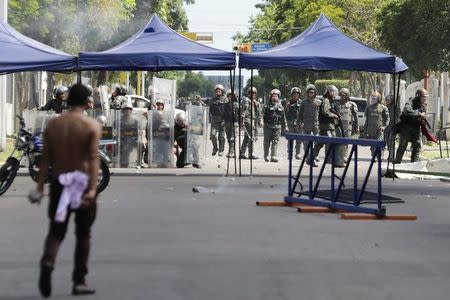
(197, 133)
(36, 120)
(129, 131)
(29, 118)
(165, 90)
(160, 138)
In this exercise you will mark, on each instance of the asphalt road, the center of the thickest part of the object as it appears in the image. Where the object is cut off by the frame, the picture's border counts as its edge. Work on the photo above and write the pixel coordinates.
(156, 239)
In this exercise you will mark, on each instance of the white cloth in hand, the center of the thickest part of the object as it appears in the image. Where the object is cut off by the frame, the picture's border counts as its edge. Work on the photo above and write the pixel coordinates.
(74, 184)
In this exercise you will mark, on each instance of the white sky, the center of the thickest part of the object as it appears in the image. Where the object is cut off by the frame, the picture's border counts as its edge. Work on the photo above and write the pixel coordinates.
(223, 18)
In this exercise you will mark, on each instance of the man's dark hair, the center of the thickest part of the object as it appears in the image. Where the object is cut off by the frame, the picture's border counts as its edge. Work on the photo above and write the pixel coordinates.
(78, 95)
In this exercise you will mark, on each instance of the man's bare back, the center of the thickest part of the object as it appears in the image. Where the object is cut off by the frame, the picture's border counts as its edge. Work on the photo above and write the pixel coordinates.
(71, 144)
(72, 139)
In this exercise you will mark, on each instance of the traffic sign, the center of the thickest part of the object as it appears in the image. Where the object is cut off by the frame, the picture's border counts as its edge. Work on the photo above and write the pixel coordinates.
(259, 47)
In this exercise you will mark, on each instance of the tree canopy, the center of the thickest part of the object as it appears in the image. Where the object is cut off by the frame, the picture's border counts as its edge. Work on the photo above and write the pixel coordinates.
(90, 25)
(418, 31)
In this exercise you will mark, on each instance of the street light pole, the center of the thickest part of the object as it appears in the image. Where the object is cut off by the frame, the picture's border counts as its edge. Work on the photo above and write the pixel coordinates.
(3, 114)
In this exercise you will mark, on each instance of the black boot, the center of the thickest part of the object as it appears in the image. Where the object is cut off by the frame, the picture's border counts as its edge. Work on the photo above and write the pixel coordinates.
(45, 281)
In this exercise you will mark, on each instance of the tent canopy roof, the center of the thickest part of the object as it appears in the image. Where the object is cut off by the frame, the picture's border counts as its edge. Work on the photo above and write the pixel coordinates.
(156, 48)
(20, 53)
(323, 47)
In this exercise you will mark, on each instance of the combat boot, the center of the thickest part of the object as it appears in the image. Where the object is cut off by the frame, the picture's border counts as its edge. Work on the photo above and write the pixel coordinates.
(266, 153)
(273, 156)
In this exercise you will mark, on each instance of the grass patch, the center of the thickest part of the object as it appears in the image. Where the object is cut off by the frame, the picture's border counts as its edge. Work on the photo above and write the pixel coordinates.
(429, 155)
(9, 148)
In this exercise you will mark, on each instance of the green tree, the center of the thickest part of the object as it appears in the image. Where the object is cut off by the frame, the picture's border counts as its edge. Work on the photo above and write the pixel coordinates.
(195, 84)
(281, 20)
(418, 31)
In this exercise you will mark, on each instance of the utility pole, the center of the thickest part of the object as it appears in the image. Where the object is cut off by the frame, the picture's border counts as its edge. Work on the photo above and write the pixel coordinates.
(3, 113)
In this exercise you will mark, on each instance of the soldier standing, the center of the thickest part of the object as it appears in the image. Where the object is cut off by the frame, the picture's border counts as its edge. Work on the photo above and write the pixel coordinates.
(414, 113)
(274, 121)
(118, 97)
(58, 104)
(291, 109)
(377, 118)
(231, 118)
(128, 136)
(348, 113)
(308, 115)
(216, 107)
(389, 135)
(250, 115)
(327, 120)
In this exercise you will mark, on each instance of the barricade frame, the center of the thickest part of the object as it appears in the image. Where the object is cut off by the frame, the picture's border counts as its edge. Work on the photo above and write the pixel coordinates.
(311, 199)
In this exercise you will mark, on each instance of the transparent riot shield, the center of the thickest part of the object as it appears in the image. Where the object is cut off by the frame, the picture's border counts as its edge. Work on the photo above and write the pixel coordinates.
(197, 133)
(128, 128)
(29, 116)
(165, 90)
(160, 138)
(41, 119)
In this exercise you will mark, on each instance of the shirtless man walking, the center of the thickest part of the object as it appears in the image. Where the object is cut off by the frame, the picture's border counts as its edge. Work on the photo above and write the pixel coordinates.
(70, 148)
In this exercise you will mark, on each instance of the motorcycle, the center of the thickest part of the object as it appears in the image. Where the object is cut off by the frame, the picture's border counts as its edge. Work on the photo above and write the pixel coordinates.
(30, 146)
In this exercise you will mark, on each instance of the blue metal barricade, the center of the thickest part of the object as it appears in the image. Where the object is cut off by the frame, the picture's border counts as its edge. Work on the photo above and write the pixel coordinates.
(310, 197)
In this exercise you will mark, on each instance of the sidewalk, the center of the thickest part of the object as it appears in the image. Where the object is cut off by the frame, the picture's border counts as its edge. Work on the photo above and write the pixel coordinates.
(217, 166)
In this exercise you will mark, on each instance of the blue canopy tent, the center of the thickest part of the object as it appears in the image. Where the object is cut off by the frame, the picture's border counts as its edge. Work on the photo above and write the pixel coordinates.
(19, 53)
(323, 47)
(157, 48)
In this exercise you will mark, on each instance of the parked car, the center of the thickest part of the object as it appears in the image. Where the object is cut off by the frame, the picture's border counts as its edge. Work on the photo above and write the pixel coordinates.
(139, 101)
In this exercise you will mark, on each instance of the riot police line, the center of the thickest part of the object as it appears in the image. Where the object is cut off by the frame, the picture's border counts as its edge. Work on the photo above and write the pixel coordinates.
(159, 138)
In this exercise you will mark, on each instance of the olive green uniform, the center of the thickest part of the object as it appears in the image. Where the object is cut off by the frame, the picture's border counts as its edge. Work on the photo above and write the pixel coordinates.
(231, 118)
(216, 109)
(274, 120)
(327, 125)
(377, 118)
(308, 117)
(389, 135)
(292, 109)
(348, 114)
(250, 115)
(410, 130)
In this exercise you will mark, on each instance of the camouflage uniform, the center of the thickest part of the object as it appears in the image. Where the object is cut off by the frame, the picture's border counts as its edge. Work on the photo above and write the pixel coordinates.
(377, 118)
(216, 108)
(308, 117)
(410, 130)
(231, 118)
(326, 125)
(274, 120)
(389, 135)
(292, 109)
(348, 114)
(250, 111)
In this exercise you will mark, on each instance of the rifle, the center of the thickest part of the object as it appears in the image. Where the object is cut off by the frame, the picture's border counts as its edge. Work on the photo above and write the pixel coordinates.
(248, 134)
(339, 120)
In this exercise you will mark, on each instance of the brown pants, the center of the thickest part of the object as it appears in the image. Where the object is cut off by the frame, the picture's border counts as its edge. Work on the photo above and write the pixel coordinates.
(84, 218)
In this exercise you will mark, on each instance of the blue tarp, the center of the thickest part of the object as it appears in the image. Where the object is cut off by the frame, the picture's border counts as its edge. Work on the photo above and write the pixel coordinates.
(19, 53)
(157, 48)
(323, 47)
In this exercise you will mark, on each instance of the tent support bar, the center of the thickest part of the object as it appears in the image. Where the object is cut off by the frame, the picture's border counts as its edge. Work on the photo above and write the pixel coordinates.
(239, 135)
